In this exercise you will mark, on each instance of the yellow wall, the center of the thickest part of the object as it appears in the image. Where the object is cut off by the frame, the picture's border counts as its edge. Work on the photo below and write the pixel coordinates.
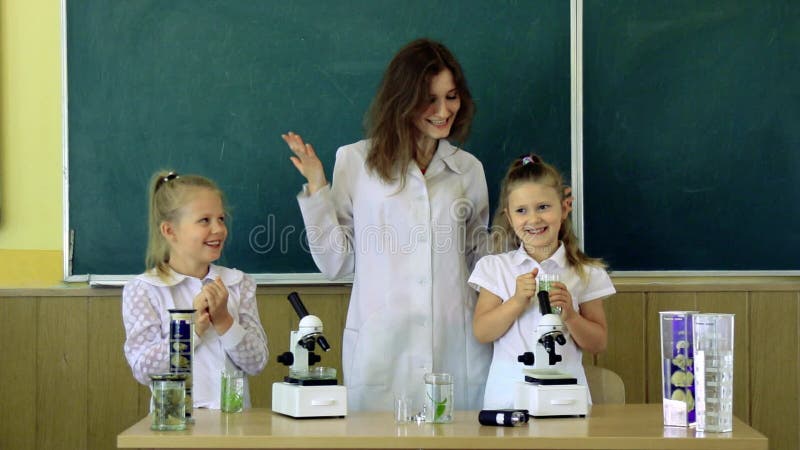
(30, 143)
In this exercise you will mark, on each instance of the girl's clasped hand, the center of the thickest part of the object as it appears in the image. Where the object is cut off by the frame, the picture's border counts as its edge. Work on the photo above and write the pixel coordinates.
(212, 308)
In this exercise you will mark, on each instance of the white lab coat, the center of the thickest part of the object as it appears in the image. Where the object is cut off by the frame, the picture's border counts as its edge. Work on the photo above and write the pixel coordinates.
(412, 252)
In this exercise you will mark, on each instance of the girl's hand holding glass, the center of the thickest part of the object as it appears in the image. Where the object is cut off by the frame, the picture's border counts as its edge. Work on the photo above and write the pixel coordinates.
(526, 286)
(561, 298)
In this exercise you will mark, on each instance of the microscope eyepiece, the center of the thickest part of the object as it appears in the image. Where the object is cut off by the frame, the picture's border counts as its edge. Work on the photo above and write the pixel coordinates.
(323, 343)
(297, 304)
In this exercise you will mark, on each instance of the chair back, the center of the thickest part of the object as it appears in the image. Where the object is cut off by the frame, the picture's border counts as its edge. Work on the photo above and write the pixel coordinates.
(604, 385)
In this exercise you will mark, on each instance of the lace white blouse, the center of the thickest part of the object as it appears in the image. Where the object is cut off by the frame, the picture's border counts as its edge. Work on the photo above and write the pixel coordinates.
(145, 303)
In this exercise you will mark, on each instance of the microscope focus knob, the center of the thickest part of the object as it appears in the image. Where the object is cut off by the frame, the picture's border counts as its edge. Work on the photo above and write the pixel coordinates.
(526, 358)
(286, 358)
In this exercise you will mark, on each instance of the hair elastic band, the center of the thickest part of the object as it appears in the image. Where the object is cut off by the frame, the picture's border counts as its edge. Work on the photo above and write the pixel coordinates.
(164, 180)
(527, 160)
(170, 176)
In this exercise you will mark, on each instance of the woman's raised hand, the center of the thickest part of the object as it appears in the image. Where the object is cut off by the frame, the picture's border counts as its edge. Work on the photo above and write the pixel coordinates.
(306, 161)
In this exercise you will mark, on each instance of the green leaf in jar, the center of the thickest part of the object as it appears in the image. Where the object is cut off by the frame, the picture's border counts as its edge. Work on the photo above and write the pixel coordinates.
(440, 407)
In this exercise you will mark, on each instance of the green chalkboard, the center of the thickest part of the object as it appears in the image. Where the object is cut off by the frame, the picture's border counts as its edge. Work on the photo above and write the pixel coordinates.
(207, 87)
(692, 134)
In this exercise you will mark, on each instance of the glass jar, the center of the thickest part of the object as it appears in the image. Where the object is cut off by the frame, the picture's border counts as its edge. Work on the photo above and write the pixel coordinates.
(232, 391)
(438, 406)
(169, 401)
(546, 281)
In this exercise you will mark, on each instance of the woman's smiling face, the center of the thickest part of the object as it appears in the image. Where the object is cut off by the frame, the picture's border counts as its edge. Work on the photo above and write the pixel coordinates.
(437, 117)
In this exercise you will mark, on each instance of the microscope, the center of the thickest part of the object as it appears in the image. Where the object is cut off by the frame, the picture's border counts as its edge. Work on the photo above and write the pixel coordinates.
(307, 391)
(548, 390)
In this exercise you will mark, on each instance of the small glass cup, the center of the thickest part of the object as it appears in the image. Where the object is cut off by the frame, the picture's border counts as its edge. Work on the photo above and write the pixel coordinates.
(403, 409)
(438, 406)
(232, 391)
(546, 283)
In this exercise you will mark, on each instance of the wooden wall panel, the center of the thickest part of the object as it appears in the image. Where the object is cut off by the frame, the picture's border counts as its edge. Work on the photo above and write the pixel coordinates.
(62, 362)
(58, 399)
(273, 310)
(144, 396)
(774, 367)
(625, 354)
(113, 404)
(18, 374)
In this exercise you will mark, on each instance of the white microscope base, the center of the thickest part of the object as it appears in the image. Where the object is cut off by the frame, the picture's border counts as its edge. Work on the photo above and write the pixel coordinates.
(309, 401)
(552, 400)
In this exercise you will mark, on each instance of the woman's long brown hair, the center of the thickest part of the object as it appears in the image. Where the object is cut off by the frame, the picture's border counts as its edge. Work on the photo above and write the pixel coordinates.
(402, 94)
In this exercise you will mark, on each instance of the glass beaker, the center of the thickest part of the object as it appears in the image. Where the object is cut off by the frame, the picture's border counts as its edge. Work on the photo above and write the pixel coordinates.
(713, 364)
(546, 283)
(403, 408)
(438, 406)
(232, 391)
(169, 402)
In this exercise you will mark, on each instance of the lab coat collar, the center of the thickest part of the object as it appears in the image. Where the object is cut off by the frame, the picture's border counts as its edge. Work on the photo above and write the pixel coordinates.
(449, 156)
(449, 153)
(553, 264)
(229, 276)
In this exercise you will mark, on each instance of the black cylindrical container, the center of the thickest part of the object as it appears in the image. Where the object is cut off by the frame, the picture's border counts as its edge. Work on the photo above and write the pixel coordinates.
(503, 417)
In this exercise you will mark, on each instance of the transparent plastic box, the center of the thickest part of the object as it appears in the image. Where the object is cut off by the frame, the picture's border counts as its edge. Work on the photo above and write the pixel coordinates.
(713, 351)
(677, 368)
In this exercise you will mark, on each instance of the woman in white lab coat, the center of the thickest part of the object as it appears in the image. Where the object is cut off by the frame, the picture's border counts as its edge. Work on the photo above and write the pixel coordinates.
(407, 213)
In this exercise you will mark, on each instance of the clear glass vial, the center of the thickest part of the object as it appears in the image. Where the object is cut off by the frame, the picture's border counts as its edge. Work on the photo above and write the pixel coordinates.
(438, 406)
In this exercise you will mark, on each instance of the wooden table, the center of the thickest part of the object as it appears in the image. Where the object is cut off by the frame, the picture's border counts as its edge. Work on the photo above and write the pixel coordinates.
(607, 427)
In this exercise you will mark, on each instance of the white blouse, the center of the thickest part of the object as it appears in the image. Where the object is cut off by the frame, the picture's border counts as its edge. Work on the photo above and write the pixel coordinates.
(145, 301)
(498, 275)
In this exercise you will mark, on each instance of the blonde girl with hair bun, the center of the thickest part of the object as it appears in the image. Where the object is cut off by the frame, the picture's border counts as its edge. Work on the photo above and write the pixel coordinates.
(187, 232)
